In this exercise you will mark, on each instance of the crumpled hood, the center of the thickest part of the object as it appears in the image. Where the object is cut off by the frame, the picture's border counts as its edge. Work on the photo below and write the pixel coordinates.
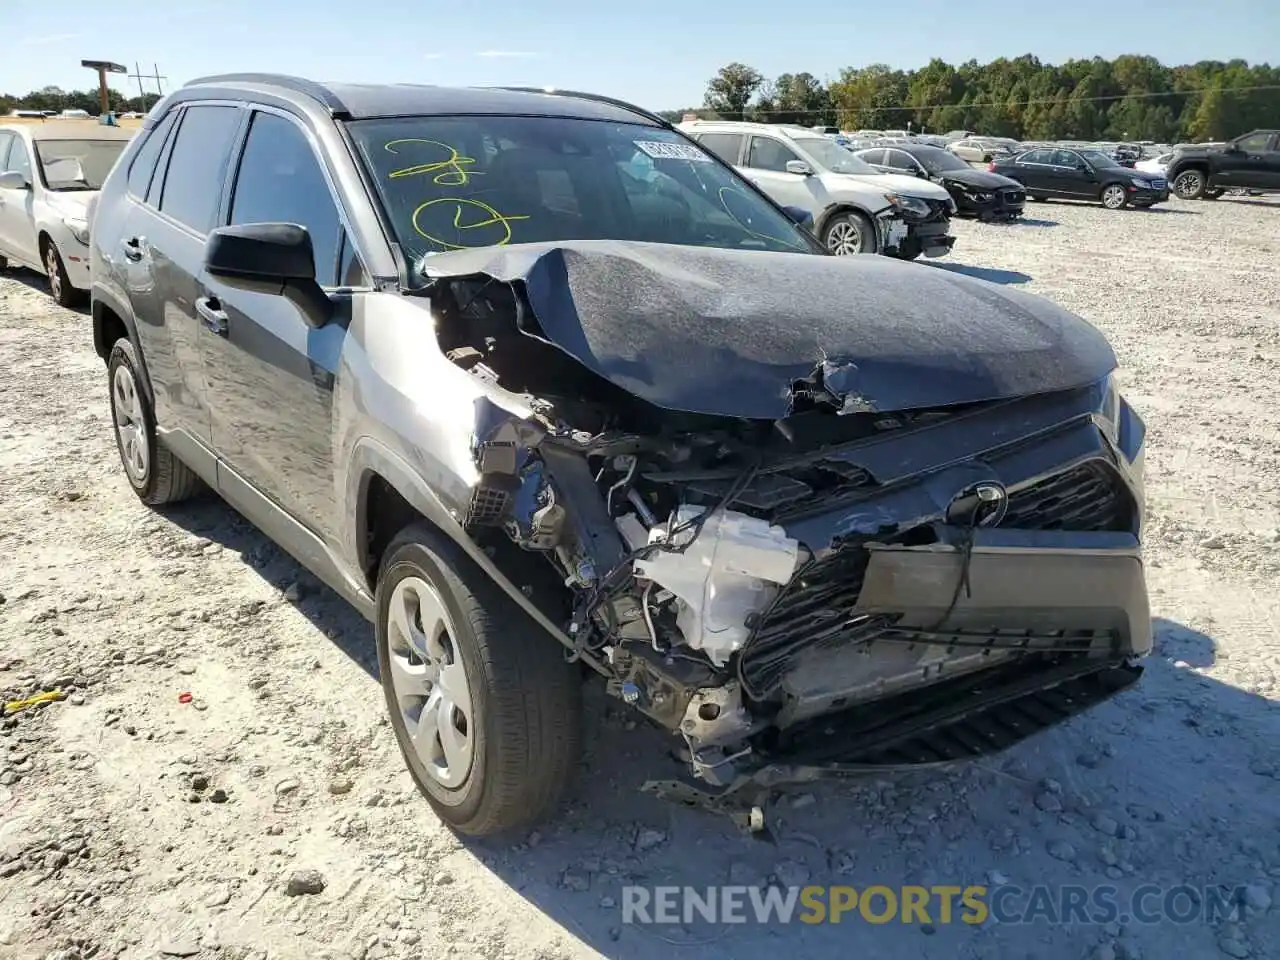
(980, 179)
(729, 332)
(902, 184)
(74, 204)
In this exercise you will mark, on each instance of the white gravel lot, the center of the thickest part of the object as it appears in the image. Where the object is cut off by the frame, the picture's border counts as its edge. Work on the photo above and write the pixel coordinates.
(105, 851)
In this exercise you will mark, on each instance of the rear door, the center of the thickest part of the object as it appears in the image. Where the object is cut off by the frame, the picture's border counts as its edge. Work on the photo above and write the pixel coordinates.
(1034, 170)
(271, 374)
(162, 248)
(1072, 177)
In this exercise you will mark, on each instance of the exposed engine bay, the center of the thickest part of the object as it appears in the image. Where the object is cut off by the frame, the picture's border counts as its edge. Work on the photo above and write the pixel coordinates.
(840, 583)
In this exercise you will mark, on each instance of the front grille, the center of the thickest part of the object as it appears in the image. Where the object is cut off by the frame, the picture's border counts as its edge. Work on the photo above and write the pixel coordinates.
(1014, 197)
(814, 608)
(790, 494)
(1159, 184)
(1087, 497)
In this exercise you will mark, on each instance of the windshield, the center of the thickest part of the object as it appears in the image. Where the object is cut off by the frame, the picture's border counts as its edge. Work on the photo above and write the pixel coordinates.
(940, 161)
(1098, 159)
(460, 182)
(831, 156)
(77, 164)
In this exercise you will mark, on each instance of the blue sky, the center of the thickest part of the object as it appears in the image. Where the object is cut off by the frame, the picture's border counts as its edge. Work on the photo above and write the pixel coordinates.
(659, 53)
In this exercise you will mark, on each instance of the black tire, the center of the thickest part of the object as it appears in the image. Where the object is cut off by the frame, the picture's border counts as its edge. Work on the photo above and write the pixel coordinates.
(4, 263)
(60, 288)
(1190, 184)
(165, 478)
(1114, 196)
(525, 699)
(835, 229)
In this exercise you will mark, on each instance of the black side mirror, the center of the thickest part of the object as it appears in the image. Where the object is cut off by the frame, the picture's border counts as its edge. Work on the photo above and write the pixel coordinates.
(273, 258)
(798, 215)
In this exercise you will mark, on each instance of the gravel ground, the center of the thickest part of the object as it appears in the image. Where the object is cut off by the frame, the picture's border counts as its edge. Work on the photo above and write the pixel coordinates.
(133, 824)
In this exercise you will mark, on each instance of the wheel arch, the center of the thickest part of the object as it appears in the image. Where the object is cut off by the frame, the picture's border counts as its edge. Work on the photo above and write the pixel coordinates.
(113, 321)
(846, 206)
(386, 494)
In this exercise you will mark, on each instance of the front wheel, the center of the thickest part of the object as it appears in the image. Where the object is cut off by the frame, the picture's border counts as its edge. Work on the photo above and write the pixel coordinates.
(63, 293)
(1114, 196)
(1190, 185)
(847, 234)
(485, 708)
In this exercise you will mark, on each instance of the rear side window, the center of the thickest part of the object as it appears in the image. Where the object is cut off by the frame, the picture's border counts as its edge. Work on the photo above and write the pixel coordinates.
(280, 181)
(726, 146)
(1036, 156)
(198, 165)
(5, 140)
(144, 161)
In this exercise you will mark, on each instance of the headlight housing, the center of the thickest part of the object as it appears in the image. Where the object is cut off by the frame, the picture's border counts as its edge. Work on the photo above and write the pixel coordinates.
(1139, 182)
(911, 205)
(982, 197)
(79, 228)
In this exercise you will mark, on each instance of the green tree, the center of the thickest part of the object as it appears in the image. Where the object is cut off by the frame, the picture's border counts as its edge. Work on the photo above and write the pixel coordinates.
(730, 91)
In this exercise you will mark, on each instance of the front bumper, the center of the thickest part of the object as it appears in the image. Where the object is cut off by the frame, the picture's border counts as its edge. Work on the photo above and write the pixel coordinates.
(1143, 197)
(1004, 205)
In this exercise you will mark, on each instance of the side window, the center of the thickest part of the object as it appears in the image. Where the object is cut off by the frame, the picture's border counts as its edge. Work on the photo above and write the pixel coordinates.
(20, 159)
(1064, 158)
(5, 140)
(768, 154)
(874, 155)
(280, 181)
(900, 161)
(726, 146)
(198, 164)
(144, 161)
(1036, 156)
(1257, 143)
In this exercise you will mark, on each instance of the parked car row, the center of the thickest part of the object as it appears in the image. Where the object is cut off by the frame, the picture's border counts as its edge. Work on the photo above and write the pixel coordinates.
(854, 207)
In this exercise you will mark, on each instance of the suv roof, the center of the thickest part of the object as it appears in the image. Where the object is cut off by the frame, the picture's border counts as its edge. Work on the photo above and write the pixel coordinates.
(783, 129)
(362, 101)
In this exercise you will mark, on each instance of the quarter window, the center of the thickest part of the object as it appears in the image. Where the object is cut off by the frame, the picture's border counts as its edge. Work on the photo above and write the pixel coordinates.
(198, 165)
(5, 140)
(19, 159)
(280, 181)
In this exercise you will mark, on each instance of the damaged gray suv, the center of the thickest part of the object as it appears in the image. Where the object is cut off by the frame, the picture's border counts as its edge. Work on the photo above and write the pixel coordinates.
(549, 393)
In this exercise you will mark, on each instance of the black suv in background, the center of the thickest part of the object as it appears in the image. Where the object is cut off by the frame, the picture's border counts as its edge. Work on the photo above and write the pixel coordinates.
(1082, 175)
(1204, 172)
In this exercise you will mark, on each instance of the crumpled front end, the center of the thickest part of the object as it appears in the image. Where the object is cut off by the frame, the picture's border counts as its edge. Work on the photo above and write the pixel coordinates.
(841, 585)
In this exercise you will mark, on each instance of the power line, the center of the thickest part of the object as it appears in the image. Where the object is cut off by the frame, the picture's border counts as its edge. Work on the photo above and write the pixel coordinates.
(1011, 103)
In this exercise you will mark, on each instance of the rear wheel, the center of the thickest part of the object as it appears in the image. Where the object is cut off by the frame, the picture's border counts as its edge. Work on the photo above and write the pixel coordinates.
(485, 709)
(850, 233)
(1190, 184)
(1114, 196)
(155, 474)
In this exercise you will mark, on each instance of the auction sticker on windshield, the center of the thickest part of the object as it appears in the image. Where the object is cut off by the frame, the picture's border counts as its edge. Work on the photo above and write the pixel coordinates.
(671, 151)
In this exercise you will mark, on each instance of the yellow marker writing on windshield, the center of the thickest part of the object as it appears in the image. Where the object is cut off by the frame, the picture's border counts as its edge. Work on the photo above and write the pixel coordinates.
(493, 218)
(450, 172)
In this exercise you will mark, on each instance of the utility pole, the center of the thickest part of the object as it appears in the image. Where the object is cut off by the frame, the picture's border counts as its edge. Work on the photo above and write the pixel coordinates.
(137, 75)
(158, 77)
(104, 67)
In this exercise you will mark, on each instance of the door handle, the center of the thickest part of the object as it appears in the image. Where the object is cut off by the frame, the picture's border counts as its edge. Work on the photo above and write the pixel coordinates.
(133, 249)
(212, 315)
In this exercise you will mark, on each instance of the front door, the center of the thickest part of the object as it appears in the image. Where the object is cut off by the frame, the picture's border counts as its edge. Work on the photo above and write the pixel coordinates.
(1247, 165)
(17, 220)
(766, 167)
(271, 374)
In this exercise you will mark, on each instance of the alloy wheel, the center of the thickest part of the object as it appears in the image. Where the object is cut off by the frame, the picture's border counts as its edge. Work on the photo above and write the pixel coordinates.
(54, 271)
(131, 428)
(1188, 184)
(844, 239)
(430, 682)
(1113, 196)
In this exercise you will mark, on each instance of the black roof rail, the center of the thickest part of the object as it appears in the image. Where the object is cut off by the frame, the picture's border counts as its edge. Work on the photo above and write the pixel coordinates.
(309, 88)
(598, 98)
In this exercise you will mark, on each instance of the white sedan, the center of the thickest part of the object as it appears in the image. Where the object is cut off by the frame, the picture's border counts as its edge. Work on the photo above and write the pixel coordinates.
(49, 173)
(1156, 165)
